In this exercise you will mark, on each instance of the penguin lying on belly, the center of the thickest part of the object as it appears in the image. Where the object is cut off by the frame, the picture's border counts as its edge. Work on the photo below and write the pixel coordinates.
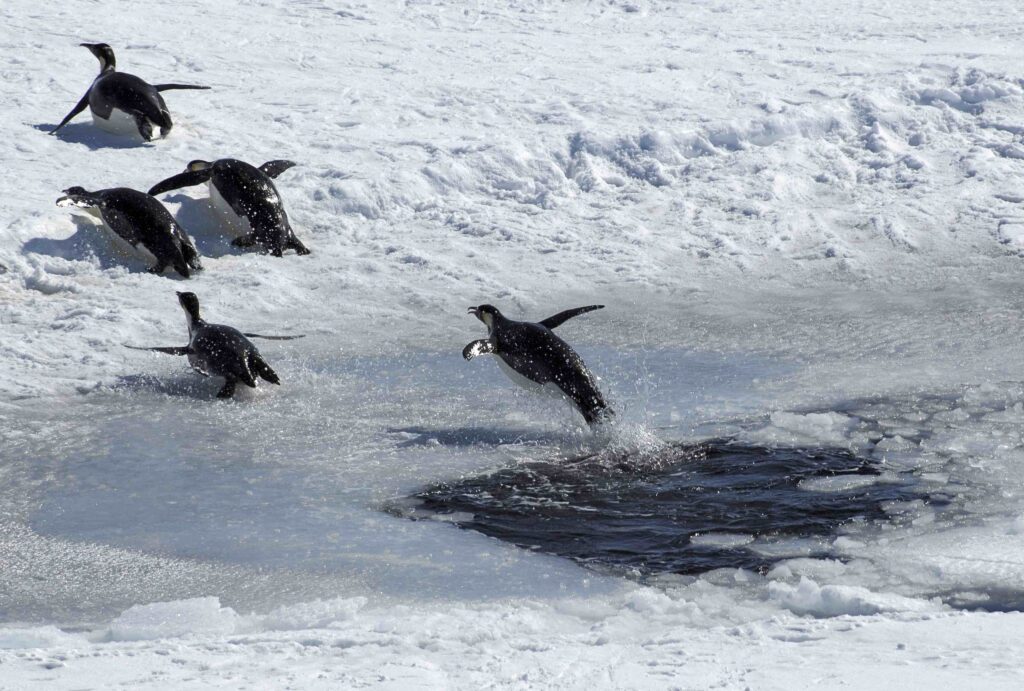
(533, 357)
(140, 220)
(215, 350)
(245, 197)
(122, 103)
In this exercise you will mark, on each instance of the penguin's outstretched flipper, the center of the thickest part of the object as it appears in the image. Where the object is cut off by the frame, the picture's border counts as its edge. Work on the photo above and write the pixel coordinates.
(170, 350)
(170, 87)
(562, 317)
(79, 107)
(479, 347)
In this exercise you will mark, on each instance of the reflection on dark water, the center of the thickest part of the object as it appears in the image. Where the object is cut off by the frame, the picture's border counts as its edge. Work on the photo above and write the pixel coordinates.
(654, 512)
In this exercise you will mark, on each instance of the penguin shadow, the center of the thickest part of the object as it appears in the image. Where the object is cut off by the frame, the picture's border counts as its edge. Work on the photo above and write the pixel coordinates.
(190, 387)
(211, 236)
(92, 241)
(469, 436)
(91, 136)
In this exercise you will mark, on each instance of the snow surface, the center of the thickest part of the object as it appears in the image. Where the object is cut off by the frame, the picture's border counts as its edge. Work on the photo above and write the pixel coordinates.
(805, 220)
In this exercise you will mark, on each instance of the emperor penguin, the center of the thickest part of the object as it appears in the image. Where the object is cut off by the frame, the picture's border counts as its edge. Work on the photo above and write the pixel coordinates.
(122, 103)
(141, 221)
(215, 350)
(245, 198)
(532, 356)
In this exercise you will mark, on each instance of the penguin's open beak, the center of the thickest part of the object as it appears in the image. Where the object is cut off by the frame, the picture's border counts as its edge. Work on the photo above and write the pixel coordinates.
(474, 311)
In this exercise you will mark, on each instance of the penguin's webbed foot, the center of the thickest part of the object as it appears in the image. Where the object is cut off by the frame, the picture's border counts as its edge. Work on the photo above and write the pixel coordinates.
(145, 128)
(228, 390)
(299, 248)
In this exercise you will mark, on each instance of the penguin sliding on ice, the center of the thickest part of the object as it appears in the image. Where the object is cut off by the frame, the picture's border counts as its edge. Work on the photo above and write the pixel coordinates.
(215, 350)
(533, 357)
(122, 103)
(139, 219)
(245, 198)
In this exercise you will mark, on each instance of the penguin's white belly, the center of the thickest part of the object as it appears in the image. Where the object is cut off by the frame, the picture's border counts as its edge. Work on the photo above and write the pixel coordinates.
(239, 224)
(549, 390)
(121, 123)
(120, 244)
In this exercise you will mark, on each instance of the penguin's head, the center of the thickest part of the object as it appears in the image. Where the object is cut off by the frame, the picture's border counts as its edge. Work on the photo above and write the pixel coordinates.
(73, 197)
(194, 166)
(485, 313)
(190, 303)
(103, 53)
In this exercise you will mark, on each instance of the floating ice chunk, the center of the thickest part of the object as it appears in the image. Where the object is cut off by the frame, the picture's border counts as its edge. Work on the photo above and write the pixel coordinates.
(807, 597)
(822, 428)
(722, 539)
(896, 443)
(842, 483)
(794, 547)
(845, 544)
(201, 615)
(454, 517)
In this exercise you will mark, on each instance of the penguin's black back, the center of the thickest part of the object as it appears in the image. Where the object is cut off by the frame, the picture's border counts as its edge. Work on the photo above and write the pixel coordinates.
(226, 352)
(130, 94)
(251, 193)
(535, 352)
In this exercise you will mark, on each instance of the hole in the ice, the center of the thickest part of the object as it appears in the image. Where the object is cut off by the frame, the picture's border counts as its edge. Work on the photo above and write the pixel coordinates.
(683, 509)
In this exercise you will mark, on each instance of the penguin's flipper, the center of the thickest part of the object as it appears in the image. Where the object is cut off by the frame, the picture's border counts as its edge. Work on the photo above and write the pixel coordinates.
(79, 107)
(262, 369)
(186, 179)
(170, 350)
(562, 317)
(169, 87)
(275, 168)
(480, 347)
(275, 338)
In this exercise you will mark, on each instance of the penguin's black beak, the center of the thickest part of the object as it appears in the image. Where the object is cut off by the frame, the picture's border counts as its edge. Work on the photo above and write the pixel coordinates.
(474, 311)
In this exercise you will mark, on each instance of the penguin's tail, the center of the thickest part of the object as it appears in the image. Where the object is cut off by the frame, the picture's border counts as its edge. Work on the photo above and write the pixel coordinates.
(261, 368)
(598, 415)
(191, 256)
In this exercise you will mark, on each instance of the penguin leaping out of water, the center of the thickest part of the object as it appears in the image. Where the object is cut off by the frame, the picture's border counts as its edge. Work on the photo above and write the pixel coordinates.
(245, 198)
(532, 356)
(122, 103)
(215, 350)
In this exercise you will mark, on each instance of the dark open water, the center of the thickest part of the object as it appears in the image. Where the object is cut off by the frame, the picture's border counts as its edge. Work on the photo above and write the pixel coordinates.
(648, 512)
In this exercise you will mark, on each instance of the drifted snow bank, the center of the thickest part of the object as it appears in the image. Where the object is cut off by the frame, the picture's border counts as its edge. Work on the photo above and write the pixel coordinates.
(807, 597)
(638, 639)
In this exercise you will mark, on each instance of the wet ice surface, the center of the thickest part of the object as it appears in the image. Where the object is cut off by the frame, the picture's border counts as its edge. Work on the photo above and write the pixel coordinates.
(681, 509)
(277, 497)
